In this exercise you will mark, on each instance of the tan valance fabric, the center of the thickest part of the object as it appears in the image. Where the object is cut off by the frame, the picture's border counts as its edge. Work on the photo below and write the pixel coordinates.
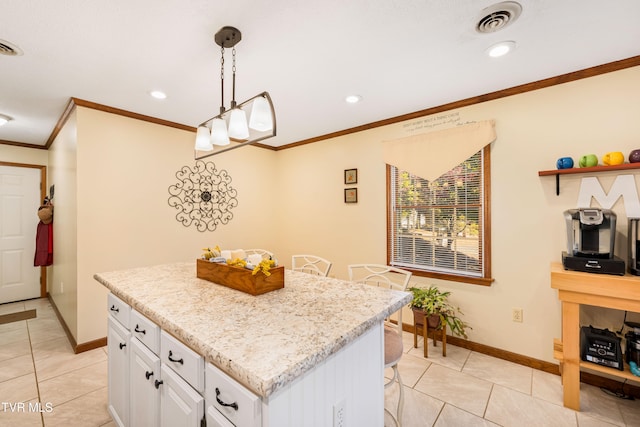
(429, 155)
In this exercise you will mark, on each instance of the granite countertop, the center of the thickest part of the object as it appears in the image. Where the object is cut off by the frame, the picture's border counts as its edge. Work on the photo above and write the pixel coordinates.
(266, 341)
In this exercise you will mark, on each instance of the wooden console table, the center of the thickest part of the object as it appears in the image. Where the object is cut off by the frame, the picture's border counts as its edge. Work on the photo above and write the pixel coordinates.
(601, 290)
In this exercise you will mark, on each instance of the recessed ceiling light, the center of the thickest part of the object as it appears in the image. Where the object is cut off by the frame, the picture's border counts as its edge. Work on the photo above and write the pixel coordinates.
(157, 94)
(353, 99)
(501, 49)
(4, 119)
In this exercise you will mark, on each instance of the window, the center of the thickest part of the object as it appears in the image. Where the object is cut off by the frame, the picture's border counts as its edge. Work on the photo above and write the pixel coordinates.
(440, 228)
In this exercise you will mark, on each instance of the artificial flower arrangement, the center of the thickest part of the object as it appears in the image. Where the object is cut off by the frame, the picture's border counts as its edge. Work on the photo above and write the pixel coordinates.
(238, 258)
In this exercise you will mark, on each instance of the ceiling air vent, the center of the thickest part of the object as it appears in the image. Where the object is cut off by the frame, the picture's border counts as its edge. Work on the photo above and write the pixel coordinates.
(498, 16)
(9, 49)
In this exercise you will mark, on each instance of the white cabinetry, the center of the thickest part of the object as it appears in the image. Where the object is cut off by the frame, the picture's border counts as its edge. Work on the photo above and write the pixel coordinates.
(145, 396)
(172, 386)
(180, 404)
(226, 397)
(118, 364)
(181, 401)
(151, 384)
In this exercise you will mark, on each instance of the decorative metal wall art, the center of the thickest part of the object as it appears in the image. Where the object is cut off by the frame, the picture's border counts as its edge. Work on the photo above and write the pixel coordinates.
(203, 196)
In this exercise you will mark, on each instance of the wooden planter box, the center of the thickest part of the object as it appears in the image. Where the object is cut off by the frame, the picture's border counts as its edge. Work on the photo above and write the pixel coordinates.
(240, 279)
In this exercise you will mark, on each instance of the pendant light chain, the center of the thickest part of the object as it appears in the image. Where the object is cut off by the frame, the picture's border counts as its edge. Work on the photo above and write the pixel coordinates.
(233, 69)
(222, 79)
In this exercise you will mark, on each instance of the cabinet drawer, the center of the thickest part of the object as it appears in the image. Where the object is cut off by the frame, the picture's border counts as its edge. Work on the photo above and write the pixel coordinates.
(234, 401)
(146, 331)
(184, 361)
(119, 309)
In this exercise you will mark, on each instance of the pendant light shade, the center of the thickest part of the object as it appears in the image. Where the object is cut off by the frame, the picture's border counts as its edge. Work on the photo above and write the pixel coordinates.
(230, 128)
(238, 125)
(203, 142)
(261, 119)
(219, 134)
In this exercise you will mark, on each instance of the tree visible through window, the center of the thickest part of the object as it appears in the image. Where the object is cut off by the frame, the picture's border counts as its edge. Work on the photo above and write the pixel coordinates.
(437, 228)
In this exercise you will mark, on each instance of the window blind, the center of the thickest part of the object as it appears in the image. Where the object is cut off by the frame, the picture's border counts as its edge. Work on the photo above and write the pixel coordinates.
(437, 225)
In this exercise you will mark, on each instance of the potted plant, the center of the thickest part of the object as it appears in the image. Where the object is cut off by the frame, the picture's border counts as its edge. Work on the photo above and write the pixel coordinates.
(433, 304)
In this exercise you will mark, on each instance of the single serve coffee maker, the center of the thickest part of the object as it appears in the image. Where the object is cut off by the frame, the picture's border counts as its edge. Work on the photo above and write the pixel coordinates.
(591, 234)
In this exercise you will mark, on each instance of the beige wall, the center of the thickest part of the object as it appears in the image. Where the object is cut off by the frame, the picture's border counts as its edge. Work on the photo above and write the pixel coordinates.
(596, 115)
(63, 283)
(125, 168)
(29, 156)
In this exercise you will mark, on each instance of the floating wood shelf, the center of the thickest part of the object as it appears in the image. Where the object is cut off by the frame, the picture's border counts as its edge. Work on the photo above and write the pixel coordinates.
(558, 172)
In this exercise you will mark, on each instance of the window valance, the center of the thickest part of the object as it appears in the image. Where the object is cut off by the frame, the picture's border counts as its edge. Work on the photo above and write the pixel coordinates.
(429, 155)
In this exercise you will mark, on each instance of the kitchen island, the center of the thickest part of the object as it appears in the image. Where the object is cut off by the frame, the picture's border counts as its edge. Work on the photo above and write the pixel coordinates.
(307, 350)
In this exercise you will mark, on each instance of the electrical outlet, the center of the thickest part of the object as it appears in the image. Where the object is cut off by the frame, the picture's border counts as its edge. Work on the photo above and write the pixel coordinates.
(61, 287)
(516, 315)
(339, 414)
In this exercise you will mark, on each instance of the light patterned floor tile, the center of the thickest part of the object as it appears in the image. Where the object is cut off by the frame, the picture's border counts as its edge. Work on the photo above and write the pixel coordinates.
(455, 359)
(70, 385)
(419, 408)
(597, 404)
(511, 408)
(89, 410)
(13, 333)
(23, 415)
(16, 367)
(499, 371)
(547, 386)
(14, 349)
(19, 389)
(46, 348)
(456, 417)
(59, 363)
(411, 369)
(12, 307)
(457, 388)
(630, 410)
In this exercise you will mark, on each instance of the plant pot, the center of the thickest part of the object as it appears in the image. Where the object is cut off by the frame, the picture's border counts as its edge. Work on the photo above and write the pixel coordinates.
(433, 320)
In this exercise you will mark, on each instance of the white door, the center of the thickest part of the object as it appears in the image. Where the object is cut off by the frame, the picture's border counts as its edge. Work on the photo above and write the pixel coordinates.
(19, 202)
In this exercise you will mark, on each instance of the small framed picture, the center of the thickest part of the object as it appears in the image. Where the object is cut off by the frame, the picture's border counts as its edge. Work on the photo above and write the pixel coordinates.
(351, 176)
(351, 195)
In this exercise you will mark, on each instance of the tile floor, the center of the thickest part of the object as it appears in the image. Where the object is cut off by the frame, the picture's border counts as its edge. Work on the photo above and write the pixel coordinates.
(42, 383)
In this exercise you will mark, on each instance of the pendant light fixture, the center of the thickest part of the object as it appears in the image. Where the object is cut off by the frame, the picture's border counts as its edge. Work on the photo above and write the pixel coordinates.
(230, 129)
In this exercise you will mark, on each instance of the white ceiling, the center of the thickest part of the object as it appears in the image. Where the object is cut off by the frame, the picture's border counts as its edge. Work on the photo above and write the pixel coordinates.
(401, 56)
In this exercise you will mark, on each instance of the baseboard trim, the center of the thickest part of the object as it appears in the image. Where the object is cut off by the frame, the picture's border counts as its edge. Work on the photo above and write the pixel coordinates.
(552, 368)
(77, 348)
(91, 345)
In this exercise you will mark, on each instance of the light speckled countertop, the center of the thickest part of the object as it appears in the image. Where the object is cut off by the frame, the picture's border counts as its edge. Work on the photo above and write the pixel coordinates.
(266, 341)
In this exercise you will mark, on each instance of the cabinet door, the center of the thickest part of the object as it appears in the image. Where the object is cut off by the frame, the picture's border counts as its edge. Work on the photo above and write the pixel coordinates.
(144, 410)
(118, 364)
(180, 404)
(216, 419)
